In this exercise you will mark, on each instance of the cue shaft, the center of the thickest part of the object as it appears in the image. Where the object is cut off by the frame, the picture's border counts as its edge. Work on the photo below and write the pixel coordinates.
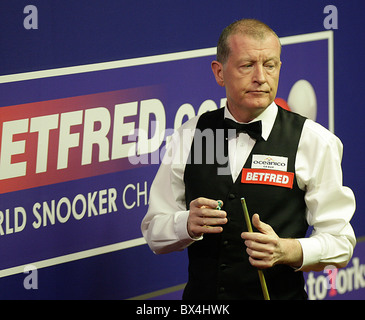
(249, 228)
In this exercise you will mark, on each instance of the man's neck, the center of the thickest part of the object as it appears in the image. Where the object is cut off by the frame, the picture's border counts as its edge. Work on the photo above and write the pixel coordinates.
(245, 115)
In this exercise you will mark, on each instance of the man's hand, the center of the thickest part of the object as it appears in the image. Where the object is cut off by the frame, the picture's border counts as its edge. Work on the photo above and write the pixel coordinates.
(204, 218)
(266, 249)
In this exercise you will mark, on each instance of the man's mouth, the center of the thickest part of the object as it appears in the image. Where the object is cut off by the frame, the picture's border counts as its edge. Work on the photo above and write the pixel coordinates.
(258, 91)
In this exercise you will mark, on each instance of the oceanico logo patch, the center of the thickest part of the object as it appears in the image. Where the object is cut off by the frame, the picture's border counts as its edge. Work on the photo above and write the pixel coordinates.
(262, 161)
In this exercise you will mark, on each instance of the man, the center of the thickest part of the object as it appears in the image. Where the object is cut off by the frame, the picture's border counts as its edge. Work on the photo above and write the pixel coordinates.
(288, 169)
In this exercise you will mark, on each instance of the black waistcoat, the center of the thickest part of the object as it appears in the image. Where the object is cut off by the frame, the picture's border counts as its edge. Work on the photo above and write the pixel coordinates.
(218, 265)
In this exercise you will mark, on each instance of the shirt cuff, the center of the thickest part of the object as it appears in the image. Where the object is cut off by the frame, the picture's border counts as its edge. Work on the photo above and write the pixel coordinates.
(312, 251)
(181, 227)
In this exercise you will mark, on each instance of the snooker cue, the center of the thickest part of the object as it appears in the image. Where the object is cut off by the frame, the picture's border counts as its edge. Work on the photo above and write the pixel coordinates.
(261, 274)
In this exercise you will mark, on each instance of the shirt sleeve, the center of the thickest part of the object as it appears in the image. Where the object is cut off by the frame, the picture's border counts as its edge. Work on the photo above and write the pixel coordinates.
(165, 225)
(330, 205)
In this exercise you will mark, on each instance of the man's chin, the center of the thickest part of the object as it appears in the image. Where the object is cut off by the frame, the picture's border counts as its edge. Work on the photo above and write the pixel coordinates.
(254, 106)
(258, 104)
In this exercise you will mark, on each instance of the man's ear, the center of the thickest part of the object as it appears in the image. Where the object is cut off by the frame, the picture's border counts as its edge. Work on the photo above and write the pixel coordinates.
(217, 69)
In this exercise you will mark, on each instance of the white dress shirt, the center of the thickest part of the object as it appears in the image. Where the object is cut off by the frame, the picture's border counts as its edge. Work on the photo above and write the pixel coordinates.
(330, 205)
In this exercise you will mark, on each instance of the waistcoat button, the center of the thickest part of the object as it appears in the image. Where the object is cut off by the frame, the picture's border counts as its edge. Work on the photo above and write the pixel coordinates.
(223, 266)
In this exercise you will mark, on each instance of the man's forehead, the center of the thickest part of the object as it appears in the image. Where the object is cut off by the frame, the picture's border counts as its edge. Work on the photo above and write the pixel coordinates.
(241, 44)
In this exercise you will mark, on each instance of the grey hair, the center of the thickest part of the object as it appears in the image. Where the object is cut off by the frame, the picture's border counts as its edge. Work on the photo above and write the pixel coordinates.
(251, 27)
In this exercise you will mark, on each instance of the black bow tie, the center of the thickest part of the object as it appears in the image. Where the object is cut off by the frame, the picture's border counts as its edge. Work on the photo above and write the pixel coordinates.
(253, 129)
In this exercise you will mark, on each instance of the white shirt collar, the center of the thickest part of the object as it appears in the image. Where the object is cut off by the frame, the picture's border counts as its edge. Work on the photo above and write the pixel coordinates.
(267, 118)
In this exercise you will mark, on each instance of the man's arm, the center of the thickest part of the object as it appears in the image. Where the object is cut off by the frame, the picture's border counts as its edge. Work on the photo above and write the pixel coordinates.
(168, 226)
(165, 225)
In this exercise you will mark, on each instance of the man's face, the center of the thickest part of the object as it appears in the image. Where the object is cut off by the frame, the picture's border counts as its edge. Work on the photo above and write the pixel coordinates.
(251, 73)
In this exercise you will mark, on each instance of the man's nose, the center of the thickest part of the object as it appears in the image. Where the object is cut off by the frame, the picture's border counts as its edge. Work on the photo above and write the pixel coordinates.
(259, 74)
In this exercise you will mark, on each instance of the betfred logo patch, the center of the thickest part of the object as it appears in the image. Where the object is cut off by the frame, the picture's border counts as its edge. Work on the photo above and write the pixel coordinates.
(268, 177)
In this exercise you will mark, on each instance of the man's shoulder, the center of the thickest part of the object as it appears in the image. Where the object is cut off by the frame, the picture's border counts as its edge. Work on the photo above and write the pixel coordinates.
(320, 137)
(317, 130)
